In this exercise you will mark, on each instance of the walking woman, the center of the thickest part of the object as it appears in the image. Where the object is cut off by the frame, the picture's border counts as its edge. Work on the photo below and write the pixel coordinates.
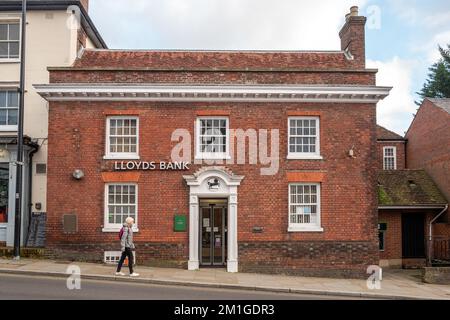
(127, 247)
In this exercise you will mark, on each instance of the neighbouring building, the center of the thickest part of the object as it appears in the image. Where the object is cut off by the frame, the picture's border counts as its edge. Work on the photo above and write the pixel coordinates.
(429, 142)
(57, 31)
(154, 134)
(409, 201)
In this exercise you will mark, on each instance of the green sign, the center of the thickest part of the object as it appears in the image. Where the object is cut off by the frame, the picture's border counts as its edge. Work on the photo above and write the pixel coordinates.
(179, 224)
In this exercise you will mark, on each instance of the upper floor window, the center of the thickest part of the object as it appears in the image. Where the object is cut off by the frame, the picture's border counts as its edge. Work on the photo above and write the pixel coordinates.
(9, 40)
(389, 158)
(304, 207)
(9, 107)
(212, 138)
(304, 138)
(122, 138)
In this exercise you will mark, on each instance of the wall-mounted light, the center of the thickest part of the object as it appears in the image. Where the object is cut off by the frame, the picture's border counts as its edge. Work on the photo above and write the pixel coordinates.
(78, 174)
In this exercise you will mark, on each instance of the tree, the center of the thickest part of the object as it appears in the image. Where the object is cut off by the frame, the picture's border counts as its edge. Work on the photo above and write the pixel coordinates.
(438, 83)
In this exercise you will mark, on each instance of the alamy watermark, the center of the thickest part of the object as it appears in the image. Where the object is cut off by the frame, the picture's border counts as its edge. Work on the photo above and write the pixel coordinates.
(215, 147)
(373, 17)
(73, 282)
(374, 280)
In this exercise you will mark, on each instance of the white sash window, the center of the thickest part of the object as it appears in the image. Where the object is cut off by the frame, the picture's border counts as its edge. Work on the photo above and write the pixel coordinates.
(304, 207)
(390, 158)
(122, 138)
(121, 202)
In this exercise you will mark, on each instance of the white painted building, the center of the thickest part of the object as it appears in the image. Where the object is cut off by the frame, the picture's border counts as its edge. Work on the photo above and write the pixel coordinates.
(57, 31)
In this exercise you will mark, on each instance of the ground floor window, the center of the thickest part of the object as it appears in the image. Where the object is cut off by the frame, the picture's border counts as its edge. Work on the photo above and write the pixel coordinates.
(304, 206)
(121, 202)
(4, 187)
(113, 257)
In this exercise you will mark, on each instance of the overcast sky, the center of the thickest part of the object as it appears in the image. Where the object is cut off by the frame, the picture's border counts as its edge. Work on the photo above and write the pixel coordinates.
(402, 36)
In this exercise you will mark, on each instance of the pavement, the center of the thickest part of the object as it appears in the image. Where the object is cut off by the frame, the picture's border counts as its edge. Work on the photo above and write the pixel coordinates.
(396, 284)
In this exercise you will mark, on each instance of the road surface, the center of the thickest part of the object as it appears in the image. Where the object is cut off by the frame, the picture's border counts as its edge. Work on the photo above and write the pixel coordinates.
(15, 287)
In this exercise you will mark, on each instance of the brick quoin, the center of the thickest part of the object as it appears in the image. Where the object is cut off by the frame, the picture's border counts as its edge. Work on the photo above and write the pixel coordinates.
(349, 213)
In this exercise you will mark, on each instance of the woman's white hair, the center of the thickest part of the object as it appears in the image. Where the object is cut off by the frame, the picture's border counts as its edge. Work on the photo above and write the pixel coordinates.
(129, 220)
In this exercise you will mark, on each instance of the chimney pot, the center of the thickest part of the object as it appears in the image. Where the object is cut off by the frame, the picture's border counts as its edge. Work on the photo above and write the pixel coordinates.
(354, 11)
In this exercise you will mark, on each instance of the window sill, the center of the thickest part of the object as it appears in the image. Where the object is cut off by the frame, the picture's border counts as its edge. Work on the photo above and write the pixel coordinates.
(14, 60)
(121, 157)
(305, 229)
(212, 157)
(116, 229)
(6, 128)
(304, 157)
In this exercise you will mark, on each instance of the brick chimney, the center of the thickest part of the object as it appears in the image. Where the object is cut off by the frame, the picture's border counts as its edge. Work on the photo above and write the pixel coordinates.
(353, 37)
(85, 4)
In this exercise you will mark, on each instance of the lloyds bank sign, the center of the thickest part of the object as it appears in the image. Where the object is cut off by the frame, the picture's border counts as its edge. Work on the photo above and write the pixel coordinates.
(150, 166)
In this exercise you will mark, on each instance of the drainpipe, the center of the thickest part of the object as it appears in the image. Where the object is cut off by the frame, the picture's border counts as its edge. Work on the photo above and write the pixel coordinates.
(30, 188)
(431, 232)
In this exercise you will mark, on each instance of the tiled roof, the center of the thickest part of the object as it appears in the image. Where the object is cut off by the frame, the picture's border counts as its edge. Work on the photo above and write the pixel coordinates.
(443, 103)
(408, 188)
(211, 60)
(385, 134)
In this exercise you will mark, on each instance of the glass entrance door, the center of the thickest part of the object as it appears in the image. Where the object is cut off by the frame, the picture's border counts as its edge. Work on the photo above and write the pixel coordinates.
(213, 237)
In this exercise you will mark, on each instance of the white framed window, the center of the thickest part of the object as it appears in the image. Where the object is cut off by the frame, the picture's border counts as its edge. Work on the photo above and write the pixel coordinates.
(9, 40)
(122, 137)
(390, 158)
(304, 207)
(304, 138)
(9, 109)
(121, 201)
(113, 257)
(212, 138)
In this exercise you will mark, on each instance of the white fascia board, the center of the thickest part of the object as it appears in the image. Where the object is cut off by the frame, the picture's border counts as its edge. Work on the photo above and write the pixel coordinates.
(288, 93)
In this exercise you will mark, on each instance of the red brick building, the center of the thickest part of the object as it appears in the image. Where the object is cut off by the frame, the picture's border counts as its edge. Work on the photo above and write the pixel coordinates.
(429, 142)
(305, 203)
(410, 205)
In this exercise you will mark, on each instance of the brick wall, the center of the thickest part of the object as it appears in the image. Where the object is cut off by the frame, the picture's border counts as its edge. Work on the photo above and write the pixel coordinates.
(87, 75)
(401, 148)
(393, 234)
(76, 141)
(442, 230)
(429, 144)
(309, 258)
